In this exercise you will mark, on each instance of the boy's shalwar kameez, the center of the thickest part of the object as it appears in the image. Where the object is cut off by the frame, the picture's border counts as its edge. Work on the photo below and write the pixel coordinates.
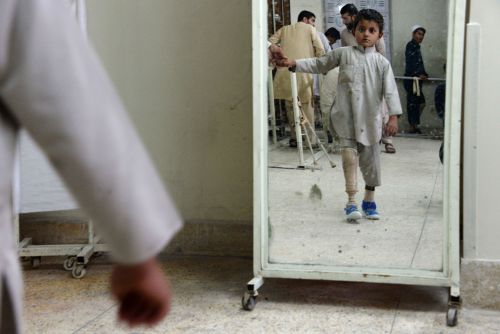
(365, 79)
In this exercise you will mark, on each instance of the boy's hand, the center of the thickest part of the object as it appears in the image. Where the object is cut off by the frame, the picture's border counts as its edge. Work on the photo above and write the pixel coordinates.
(391, 128)
(142, 291)
(285, 62)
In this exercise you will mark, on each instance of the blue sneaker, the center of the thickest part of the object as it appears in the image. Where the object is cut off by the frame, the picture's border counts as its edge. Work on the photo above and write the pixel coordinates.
(352, 212)
(370, 210)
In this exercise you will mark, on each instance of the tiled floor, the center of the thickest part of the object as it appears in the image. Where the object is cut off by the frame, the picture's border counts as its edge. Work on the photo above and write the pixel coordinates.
(207, 296)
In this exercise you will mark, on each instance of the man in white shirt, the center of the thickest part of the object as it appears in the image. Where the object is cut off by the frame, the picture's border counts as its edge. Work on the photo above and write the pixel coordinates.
(52, 84)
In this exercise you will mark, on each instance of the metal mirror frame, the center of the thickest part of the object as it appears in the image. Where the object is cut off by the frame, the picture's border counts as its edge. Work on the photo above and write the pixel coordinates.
(449, 276)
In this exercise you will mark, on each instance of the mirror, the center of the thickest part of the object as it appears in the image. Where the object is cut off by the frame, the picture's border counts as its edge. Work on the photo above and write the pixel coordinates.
(307, 224)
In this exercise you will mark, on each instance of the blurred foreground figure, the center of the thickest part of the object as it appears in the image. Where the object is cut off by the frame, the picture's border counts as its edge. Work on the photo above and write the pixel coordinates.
(52, 84)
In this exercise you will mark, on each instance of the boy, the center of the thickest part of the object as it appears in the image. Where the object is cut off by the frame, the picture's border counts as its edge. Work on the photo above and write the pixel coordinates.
(365, 78)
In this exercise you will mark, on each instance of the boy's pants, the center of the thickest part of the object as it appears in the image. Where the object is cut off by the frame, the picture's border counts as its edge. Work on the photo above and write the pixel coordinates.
(308, 111)
(369, 163)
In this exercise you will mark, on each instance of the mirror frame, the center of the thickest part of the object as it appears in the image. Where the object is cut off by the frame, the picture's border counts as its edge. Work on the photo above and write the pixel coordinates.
(450, 273)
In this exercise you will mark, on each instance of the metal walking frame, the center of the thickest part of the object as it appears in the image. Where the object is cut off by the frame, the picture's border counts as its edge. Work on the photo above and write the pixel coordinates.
(302, 124)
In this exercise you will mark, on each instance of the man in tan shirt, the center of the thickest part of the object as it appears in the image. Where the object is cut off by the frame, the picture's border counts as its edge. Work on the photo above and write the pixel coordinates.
(298, 40)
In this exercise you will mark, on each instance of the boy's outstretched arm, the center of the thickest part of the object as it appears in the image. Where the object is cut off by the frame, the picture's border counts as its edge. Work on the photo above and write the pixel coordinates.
(321, 64)
(285, 62)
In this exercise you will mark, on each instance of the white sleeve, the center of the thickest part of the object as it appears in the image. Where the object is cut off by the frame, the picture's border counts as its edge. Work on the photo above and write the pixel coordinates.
(321, 64)
(56, 88)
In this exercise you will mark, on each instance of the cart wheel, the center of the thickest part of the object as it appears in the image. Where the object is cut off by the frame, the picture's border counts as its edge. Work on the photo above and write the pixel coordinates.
(69, 263)
(78, 271)
(452, 316)
(248, 301)
(35, 261)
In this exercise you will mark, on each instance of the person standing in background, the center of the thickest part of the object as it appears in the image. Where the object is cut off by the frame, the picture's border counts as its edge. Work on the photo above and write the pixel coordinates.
(333, 36)
(414, 67)
(298, 40)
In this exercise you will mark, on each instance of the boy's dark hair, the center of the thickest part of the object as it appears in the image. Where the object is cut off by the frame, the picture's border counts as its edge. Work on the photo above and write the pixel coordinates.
(369, 15)
(333, 32)
(349, 9)
(305, 13)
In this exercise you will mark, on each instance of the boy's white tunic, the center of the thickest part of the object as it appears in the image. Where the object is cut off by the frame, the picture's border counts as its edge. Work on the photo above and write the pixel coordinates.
(365, 78)
(52, 83)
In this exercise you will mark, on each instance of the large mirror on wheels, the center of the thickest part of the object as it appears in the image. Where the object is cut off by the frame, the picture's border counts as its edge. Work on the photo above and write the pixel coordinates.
(343, 192)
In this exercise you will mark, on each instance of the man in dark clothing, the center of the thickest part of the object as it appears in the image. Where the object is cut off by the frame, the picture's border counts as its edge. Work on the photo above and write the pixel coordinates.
(415, 68)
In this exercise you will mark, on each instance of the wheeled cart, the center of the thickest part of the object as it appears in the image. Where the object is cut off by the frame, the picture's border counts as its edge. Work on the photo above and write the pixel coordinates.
(77, 255)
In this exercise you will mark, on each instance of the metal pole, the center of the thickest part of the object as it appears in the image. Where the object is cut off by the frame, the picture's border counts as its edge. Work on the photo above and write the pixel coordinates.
(296, 116)
(271, 105)
(274, 16)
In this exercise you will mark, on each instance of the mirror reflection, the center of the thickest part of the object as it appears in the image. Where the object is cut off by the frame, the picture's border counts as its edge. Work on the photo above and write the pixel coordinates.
(355, 174)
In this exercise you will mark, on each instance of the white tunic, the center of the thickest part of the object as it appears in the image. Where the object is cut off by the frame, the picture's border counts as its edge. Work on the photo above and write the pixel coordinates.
(52, 83)
(365, 78)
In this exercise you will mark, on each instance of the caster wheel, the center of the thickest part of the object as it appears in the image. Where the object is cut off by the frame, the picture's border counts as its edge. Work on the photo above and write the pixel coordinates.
(69, 263)
(441, 152)
(35, 261)
(452, 317)
(248, 301)
(78, 271)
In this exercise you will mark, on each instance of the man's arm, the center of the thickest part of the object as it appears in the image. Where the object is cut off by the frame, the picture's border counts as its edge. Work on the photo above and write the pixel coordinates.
(276, 38)
(319, 50)
(56, 88)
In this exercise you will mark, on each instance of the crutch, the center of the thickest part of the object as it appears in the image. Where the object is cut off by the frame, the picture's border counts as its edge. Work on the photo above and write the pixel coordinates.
(271, 105)
(300, 120)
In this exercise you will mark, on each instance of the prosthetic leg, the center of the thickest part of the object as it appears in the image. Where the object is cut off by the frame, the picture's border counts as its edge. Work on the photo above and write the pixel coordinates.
(350, 164)
(301, 122)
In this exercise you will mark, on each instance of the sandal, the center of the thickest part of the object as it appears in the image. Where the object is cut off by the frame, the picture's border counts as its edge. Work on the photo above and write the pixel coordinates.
(292, 143)
(389, 148)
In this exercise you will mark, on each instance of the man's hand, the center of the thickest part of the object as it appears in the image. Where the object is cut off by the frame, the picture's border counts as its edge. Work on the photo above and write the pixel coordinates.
(423, 77)
(286, 62)
(391, 128)
(142, 291)
(275, 53)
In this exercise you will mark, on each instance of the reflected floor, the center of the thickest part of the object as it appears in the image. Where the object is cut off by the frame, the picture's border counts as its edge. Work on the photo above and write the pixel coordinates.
(307, 223)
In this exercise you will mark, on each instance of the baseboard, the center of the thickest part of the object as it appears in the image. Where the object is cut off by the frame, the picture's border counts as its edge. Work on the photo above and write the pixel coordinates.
(480, 284)
(198, 237)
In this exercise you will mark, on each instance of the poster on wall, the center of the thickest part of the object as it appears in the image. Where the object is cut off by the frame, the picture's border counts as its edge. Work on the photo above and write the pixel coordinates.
(333, 18)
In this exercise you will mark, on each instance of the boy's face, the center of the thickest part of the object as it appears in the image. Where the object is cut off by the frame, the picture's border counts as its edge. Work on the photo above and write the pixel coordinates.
(367, 33)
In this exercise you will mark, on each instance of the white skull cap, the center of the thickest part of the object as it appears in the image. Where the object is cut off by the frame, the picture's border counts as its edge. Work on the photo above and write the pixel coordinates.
(415, 27)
